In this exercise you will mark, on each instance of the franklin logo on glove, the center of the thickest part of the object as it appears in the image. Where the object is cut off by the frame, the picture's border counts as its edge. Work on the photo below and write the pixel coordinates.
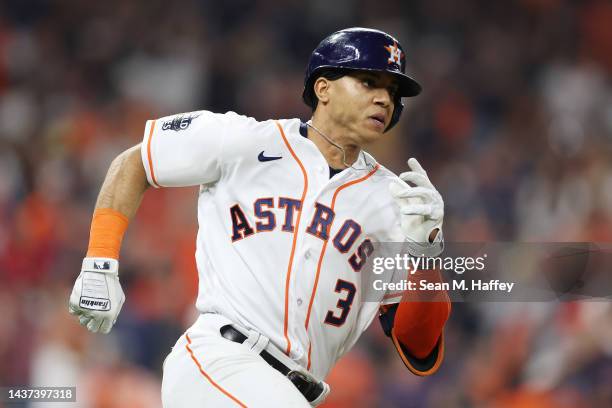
(94, 304)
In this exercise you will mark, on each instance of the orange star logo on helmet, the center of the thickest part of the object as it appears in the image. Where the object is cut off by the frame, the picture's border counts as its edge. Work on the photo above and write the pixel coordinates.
(395, 54)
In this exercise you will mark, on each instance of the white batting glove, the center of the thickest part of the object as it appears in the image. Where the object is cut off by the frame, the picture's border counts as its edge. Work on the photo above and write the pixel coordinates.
(97, 296)
(421, 209)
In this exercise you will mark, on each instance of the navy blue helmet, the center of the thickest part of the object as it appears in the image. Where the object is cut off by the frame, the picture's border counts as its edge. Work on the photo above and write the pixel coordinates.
(361, 49)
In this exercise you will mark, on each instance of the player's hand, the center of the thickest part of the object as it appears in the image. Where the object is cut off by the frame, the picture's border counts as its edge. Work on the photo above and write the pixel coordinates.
(421, 209)
(97, 296)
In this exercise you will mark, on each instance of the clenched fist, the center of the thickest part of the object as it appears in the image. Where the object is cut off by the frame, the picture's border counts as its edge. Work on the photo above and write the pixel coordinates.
(97, 296)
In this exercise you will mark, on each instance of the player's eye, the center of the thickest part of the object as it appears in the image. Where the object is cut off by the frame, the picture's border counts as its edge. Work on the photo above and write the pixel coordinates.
(368, 82)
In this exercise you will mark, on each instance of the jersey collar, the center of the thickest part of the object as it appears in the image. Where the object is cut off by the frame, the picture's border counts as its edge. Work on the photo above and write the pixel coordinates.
(364, 160)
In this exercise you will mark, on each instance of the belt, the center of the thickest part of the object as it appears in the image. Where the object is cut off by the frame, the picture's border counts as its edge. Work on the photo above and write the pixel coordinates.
(306, 385)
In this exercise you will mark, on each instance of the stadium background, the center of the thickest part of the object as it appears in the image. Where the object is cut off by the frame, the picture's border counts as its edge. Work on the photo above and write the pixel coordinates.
(514, 126)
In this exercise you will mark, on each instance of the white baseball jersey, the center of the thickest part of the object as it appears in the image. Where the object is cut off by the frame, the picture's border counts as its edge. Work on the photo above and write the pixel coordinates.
(280, 244)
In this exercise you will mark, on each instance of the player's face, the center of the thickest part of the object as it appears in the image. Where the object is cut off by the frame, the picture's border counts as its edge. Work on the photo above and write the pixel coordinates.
(363, 102)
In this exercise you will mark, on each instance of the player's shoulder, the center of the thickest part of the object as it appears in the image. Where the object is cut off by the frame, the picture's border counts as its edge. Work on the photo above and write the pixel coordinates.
(274, 128)
(249, 120)
(206, 116)
(271, 128)
(233, 122)
(386, 173)
(382, 173)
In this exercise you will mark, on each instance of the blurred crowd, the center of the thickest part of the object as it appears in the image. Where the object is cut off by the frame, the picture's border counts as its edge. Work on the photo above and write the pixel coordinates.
(514, 126)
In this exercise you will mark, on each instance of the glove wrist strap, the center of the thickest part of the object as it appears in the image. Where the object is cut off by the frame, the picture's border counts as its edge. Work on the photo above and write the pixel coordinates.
(102, 265)
(426, 249)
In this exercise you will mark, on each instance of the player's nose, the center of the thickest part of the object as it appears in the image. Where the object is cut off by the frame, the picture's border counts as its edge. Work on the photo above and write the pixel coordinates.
(382, 97)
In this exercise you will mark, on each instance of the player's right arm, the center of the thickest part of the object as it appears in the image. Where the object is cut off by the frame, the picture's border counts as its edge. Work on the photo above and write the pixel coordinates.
(125, 183)
(97, 296)
(179, 150)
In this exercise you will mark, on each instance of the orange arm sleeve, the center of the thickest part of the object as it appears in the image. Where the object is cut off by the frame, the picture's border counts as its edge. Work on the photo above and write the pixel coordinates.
(421, 316)
(107, 229)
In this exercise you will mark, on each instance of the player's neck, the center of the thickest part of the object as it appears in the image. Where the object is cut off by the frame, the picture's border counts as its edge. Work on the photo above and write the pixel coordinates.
(334, 156)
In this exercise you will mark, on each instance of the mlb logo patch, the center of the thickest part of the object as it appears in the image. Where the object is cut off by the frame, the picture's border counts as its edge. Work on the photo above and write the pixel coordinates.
(179, 122)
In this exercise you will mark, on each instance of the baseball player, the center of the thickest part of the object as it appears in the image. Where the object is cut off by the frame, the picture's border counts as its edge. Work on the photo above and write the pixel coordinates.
(288, 215)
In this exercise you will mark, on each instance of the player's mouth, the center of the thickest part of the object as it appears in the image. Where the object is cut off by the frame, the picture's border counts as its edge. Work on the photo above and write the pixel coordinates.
(377, 120)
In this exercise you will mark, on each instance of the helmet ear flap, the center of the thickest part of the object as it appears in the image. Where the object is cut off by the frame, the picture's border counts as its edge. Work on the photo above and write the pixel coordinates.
(397, 112)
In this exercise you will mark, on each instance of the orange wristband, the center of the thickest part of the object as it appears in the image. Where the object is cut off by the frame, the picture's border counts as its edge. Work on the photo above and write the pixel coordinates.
(106, 233)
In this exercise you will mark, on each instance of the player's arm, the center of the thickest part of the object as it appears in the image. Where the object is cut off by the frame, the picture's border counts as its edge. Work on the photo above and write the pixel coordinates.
(177, 151)
(125, 183)
(416, 325)
(97, 296)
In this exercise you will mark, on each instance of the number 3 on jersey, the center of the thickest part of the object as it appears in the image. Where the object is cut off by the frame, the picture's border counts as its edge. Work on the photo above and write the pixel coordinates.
(343, 304)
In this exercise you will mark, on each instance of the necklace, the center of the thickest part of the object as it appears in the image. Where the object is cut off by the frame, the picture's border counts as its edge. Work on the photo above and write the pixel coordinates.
(337, 146)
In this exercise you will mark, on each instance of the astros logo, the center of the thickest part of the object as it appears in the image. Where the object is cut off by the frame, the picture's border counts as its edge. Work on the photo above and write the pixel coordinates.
(395, 54)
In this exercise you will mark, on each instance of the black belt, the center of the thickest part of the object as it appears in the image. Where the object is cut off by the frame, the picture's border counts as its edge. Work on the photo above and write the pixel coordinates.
(309, 389)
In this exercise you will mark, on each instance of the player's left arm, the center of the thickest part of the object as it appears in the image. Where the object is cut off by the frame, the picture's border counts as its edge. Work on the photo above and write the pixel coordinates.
(421, 210)
(416, 323)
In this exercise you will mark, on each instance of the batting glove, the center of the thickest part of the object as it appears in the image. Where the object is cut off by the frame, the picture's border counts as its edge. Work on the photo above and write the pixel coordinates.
(422, 211)
(97, 296)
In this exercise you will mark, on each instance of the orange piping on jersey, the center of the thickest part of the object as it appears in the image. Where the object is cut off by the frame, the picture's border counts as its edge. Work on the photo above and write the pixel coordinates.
(210, 380)
(316, 282)
(309, 350)
(295, 232)
(155, 183)
(393, 295)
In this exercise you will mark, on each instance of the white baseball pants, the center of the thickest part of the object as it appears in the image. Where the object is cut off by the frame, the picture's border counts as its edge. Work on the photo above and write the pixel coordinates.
(205, 369)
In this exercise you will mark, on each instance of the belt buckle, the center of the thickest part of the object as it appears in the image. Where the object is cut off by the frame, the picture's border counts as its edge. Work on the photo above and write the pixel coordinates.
(308, 386)
(300, 375)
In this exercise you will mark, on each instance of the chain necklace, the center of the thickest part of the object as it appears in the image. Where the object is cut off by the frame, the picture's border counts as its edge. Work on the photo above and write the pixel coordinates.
(336, 145)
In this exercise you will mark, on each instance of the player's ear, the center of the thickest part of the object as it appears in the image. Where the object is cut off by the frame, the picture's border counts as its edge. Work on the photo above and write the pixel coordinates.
(321, 89)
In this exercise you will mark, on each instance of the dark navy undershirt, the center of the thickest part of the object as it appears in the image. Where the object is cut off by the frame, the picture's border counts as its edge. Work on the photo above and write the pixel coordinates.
(304, 132)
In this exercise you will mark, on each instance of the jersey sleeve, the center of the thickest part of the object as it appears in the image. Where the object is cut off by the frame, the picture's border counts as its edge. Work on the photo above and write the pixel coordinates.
(188, 149)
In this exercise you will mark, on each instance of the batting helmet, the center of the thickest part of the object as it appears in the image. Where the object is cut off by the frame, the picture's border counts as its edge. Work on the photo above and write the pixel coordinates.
(361, 49)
